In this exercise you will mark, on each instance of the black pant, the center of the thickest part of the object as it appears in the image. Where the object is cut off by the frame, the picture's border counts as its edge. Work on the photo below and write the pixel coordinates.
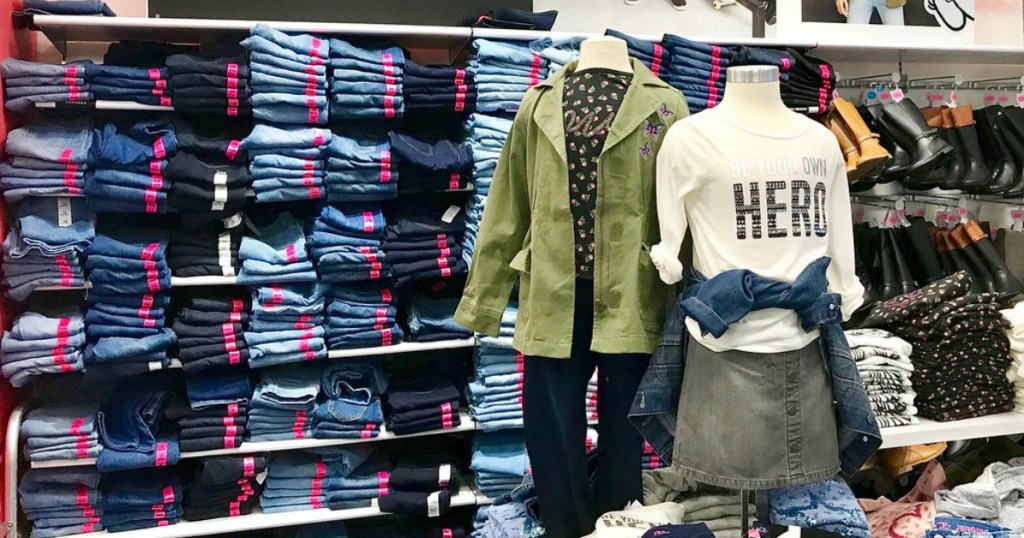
(554, 415)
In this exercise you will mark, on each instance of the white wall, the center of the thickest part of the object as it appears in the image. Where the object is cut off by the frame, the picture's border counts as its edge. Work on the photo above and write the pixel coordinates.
(649, 17)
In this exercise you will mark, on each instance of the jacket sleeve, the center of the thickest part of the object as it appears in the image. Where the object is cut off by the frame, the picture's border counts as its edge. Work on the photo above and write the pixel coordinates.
(675, 180)
(842, 272)
(506, 220)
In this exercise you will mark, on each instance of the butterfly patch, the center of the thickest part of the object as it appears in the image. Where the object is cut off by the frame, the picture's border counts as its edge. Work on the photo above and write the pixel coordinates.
(664, 112)
(646, 151)
(653, 131)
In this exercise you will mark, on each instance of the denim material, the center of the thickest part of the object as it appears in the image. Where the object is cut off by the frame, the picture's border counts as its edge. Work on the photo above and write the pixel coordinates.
(718, 302)
(276, 138)
(52, 141)
(263, 50)
(27, 104)
(138, 145)
(68, 7)
(441, 155)
(357, 112)
(502, 52)
(434, 315)
(291, 113)
(279, 66)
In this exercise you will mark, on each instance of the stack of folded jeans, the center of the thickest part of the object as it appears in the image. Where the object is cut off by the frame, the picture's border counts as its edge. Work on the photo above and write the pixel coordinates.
(362, 315)
(366, 83)
(418, 242)
(210, 427)
(286, 325)
(218, 387)
(496, 395)
(438, 89)
(346, 243)
(28, 83)
(144, 85)
(226, 486)
(45, 246)
(133, 428)
(653, 55)
(287, 164)
(487, 136)
(277, 254)
(61, 431)
(289, 76)
(651, 459)
(434, 166)
(432, 318)
(558, 51)
(499, 461)
(423, 490)
(210, 85)
(422, 404)
(128, 168)
(503, 72)
(302, 480)
(126, 320)
(828, 505)
(200, 184)
(697, 70)
(592, 398)
(212, 138)
(65, 7)
(283, 403)
(46, 158)
(360, 170)
(61, 502)
(209, 330)
(883, 362)
(43, 343)
(351, 408)
(141, 500)
(205, 245)
(809, 83)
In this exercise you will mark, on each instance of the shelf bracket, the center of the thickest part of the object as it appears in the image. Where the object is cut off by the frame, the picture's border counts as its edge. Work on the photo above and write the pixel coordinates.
(759, 14)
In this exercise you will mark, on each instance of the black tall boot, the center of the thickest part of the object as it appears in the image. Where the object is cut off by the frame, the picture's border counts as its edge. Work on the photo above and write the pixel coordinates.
(898, 166)
(922, 257)
(1006, 284)
(889, 286)
(904, 277)
(957, 166)
(977, 173)
(1011, 123)
(910, 130)
(1004, 168)
(978, 268)
(960, 261)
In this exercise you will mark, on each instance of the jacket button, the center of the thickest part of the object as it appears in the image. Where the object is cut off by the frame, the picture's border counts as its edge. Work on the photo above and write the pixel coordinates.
(831, 307)
(792, 410)
(600, 305)
(794, 446)
(793, 377)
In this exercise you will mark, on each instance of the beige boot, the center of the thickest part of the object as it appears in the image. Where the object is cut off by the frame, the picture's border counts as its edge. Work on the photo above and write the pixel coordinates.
(873, 157)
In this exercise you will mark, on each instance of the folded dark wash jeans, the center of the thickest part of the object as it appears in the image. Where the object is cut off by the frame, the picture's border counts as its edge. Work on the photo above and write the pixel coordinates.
(441, 155)
(423, 392)
(211, 138)
(439, 241)
(208, 80)
(418, 415)
(68, 7)
(182, 64)
(434, 423)
(131, 416)
(399, 269)
(93, 70)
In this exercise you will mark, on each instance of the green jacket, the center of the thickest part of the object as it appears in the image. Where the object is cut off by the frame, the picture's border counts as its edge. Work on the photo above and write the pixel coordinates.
(527, 228)
(893, 4)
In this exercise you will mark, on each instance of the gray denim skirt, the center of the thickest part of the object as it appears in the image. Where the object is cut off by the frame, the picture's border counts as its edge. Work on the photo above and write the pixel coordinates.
(755, 420)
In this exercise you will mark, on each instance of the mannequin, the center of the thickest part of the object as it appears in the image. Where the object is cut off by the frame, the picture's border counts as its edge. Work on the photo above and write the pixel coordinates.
(604, 52)
(752, 96)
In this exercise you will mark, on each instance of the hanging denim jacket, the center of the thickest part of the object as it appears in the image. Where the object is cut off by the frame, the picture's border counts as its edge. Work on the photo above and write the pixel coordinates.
(727, 298)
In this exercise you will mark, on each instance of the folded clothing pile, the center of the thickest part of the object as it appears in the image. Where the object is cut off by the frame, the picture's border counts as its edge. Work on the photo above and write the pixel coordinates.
(360, 169)
(418, 242)
(438, 89)
(45, 246)
(128, 168)
(592, 397)
(133, 429)
(496, 395)
(201, 183)
(828, 505)
(960, 348)
(210, 331)
(126, 320)
(981, 500)
(516, 508)
(717, 509)
(288, 76)
(219, 387)
(61, 431)
(362, 315)
(28, 83)
(499, 461)
(651, 460)
(203, 244)
(883, 362)
(283, 403)
(420, 490)
(276, 254)
(431, 166)
(421, 404)
(503, 72)
(558, 51)
(141, 500)
(208, 428)
(366, 83)
(144, 85)
(66, 7)
(286, 325)
(287, 163)
(487, 135)
(346, 243)
(351, 408)
(653, 55)
(697, 70)
(225, 486)
(210, 85)
(810, 83)
(62, 502)
(42, 343)
(46, 158)
(1015, 333)
(305, 480)
(432, 316)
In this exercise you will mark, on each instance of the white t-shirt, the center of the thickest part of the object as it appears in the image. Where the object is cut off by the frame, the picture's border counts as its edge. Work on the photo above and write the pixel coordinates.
(759, 200)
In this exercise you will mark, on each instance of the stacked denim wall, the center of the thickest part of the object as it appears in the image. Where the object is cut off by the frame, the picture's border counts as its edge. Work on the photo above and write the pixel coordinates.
(45, 246)
(46, 158)
(60, 502)
(366, 83)
(503, 71)
(128, 166)
(289, 76)
(487, 135)
(63, 431)
(28, 83)
(287, 163)
(144, 85)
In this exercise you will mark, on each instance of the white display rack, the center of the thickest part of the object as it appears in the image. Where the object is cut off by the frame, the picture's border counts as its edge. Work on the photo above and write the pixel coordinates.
(404, 347)
(929, 431)
(109, 105)
(466, 424)
(176, 282)
(259, 520)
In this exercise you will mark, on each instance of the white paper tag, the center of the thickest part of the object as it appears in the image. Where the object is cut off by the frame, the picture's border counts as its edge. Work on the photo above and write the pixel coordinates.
(232, 221)
(262, 476)
(449, 215)
(64, 217)
(434, 504)
(220, 178)
(444, 475)
(220, 191)
(224, 242)
(224, 254)
(156, 365)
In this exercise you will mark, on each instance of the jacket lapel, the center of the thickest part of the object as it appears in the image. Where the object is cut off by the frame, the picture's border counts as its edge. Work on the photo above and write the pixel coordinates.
(548, 113)
(637, 105)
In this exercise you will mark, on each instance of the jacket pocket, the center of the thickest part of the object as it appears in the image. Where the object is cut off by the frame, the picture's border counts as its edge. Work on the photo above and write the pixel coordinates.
(521, 261)
(652, 293)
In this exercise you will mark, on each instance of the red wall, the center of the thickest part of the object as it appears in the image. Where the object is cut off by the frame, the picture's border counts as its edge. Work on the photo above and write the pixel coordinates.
(20, 44)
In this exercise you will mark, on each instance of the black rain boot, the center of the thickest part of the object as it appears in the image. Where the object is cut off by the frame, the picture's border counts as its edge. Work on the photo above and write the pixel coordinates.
(977, 173)
(910, 130)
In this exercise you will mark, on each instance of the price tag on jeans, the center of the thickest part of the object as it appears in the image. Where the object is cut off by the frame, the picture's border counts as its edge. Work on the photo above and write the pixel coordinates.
(444, 475)
(449, 215)
(64, 216)
(220, 190)
(232, 221)
(434, 504)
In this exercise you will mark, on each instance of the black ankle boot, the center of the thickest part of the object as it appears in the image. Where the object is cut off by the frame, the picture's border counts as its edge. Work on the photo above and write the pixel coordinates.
(910, 130)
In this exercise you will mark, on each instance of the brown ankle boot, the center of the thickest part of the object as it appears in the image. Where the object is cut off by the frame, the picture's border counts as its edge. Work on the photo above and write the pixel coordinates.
(850, 153)
(873, 157)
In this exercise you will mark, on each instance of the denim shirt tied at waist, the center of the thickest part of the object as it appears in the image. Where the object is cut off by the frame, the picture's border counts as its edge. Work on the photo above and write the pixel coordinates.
(727, 298)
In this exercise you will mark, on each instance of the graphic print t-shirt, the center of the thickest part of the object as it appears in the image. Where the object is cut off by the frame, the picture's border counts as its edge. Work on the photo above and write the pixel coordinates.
(759, 199)
(590, 101)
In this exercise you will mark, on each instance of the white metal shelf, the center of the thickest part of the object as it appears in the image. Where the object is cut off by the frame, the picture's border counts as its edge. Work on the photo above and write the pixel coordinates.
(466, 424)
(404, 347)
(110, 105)
(176, 282)
(933, 432)
(259, 520)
